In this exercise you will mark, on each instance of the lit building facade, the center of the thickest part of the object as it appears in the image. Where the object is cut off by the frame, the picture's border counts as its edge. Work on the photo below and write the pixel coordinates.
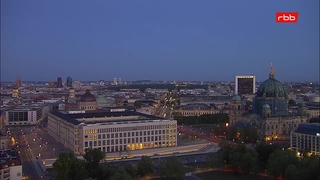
(306, 139)
(111, 131)
(88, 102)
(194, 110)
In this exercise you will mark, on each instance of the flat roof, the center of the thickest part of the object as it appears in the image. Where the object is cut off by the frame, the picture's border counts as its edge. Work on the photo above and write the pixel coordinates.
(309, 128)
(76, 117)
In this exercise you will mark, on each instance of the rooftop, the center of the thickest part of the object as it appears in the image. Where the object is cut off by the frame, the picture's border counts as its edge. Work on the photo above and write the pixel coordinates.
(8, 157)
(105, 117)
(309, 128)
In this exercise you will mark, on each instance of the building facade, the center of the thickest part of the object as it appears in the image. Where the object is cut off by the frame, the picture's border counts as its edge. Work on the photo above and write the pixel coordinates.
(306, 139)
(26, 115)
(245, 85)
(10, 165)
(195, 110)
(88, 102)
(111, 131)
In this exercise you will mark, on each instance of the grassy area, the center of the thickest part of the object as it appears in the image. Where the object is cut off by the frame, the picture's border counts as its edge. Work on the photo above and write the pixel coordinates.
(220, 175)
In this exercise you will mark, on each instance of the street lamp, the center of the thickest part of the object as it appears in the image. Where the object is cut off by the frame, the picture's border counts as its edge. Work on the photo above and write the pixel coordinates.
(53, 152)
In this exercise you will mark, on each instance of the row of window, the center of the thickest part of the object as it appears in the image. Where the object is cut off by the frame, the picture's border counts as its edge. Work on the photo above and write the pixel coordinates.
(119, 129)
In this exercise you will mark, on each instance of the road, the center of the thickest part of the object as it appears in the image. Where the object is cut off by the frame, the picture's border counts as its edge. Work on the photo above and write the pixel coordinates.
(27, 159)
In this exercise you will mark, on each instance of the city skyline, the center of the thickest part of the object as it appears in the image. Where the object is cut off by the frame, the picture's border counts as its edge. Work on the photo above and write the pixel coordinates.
(158, 40)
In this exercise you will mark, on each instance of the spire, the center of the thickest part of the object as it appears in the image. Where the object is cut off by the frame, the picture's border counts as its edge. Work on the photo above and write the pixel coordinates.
(271, 75)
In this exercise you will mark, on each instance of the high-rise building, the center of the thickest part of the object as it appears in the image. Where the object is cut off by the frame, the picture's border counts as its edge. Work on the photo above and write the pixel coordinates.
(120, 81)
(69, 81)
(245, 85)
(59, 83)
(115, 82)
(18, 82)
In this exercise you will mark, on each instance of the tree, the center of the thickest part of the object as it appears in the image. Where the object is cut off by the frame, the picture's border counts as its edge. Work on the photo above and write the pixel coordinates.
(246, 159)
(121, 174)
(172, 168)
(215, 160)
(145, 166)
(92, 158)
(137, 104)
(264, 151)
(69, 167)
(130, 169)
(225, 151)
(279, 161)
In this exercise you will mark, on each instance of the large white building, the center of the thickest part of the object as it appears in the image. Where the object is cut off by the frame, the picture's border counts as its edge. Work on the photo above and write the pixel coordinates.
(26, 115)
(306, 138)
(10, 166)
(111, 131)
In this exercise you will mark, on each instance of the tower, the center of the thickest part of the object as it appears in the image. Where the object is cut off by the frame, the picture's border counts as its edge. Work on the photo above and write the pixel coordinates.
(18, 82)
(59, 83)
(69, 81)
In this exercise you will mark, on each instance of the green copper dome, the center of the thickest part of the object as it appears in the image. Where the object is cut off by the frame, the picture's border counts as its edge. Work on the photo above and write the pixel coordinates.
(266, 106)
(272, 88)
(236, 98)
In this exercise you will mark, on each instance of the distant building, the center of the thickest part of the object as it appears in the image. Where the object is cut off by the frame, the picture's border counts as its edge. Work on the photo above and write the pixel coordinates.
(194, 110)
(69, 82)
(59, 83)
(245, 85)
(306, 139)
(15, 93)
(115, 82)
(10, 165)
(88, 102)
(111, 131)
(120, 81)
(18, 82)
(26, 115)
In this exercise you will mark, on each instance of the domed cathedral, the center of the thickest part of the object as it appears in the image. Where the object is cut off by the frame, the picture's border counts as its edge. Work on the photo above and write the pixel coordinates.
(271, 104)
(272, 96)
(88, 102)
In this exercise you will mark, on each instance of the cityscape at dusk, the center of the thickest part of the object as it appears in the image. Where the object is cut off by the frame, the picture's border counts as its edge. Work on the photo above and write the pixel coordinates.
(159, 90)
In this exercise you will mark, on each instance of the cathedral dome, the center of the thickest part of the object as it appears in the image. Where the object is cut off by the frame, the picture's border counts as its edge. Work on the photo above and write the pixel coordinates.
(266, 106)
(87, 97)
(236, 98)
(271, 88)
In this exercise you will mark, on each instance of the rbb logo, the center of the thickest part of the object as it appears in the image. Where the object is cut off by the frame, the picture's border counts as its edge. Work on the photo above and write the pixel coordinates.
(287, 17)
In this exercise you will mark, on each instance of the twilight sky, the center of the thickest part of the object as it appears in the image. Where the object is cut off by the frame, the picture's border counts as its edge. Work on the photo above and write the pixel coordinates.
(158, 39)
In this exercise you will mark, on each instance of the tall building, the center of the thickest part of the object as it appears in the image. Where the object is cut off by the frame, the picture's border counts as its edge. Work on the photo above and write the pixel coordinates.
(10, 165)
(120, 81)
(69, 81)
(115, 82)
(245, 85)
(59, 83)
(18, 82)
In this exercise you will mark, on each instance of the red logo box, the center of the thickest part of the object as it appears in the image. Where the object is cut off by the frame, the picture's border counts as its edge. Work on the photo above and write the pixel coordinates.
(287, 17)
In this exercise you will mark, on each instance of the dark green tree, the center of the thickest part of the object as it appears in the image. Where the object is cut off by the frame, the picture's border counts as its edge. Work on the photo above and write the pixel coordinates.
(279, 161)
(246, 159)
(145, 166)
(92, 158)
(68, 167)
(130, 169)
(215, 160)
(264, 151)
(172, 168)
(225, 151)
(121, 174)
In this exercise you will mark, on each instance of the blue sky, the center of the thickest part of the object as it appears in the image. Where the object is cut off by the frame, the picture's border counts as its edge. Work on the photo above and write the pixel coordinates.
(158, 39)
